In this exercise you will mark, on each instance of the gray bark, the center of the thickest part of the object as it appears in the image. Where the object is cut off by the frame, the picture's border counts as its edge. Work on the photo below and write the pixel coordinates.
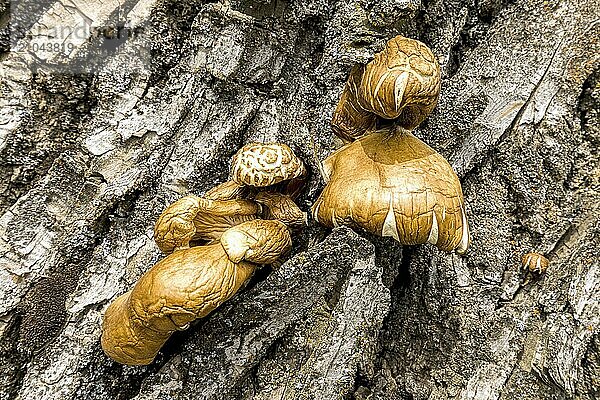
(88, 162)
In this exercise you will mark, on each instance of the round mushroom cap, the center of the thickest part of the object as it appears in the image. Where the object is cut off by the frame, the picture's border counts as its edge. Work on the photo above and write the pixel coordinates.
(395, 185)
(402, 82)
(535, 262)
(265, 164)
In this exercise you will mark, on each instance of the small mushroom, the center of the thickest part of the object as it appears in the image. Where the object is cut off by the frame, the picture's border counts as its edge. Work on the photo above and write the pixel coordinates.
(535, 263)
(187, 285)
(266, 164)
(254, 166)
(401, 83)
(393, 184)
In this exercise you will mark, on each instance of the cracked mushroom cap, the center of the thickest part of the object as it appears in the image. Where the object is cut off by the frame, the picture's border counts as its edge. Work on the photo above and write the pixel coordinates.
(265, 164)
(395, 185)
(401, 83)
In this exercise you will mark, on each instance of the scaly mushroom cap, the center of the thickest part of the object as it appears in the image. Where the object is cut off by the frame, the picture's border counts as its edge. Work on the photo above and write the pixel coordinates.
(395, 185)
(535, 262)
(182, 287)
(198, 218)
(401, 83)
(258, 241)
(260, 165)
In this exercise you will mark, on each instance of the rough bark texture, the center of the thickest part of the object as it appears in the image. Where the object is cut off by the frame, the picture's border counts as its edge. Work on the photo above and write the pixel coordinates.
(88, 162)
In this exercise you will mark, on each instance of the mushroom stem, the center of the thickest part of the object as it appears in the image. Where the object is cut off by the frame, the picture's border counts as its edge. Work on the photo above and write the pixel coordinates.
(350, 120)
(226, 191)
(294, 187)
(219, 215)
(282, 208)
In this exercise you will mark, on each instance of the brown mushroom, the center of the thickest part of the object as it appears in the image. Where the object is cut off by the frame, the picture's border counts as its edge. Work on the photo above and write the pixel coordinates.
(393, 184)
(187, 285)
(198, 218)
(350, 120)
(193, 281)
(258, 241)
(401, 83)
(266, 164)
(255, 165)
(227, 191)
(535, 262)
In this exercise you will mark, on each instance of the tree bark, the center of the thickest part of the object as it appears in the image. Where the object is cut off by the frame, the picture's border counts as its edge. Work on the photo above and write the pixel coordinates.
(89, 160)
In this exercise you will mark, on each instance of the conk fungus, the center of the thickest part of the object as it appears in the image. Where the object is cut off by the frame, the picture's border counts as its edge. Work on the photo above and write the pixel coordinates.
(214, 242)
(387, 181)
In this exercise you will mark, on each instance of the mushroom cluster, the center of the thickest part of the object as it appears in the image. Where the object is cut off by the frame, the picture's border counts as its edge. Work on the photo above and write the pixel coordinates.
(214, 244)
(386, 180)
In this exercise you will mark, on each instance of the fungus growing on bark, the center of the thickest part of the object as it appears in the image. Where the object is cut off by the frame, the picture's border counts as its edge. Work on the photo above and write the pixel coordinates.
(197, 218)
(402, 83)
(255, 166)
(187, 285)
(350, 120)
(387, 181)
(267, 164)
(194, 280)
(282, 208)
(535, 262)
(395, 185)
